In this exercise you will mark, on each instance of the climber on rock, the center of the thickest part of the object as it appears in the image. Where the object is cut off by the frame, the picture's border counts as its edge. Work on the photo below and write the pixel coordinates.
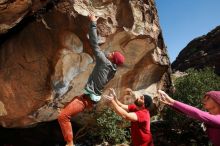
(104, 70)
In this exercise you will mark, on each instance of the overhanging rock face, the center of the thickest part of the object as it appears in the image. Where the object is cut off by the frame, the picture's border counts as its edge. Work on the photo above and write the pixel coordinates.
(46, 59)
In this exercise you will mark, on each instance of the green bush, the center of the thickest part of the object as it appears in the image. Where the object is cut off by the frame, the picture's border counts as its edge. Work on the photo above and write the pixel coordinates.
(190, 89)
(111, 127)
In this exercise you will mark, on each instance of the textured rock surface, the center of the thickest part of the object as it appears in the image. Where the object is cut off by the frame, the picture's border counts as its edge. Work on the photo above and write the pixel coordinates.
(201, 52)
(13, 11)
(46, 59)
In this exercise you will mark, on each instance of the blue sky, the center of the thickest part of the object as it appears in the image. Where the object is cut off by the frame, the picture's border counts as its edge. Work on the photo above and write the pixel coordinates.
(183, 20)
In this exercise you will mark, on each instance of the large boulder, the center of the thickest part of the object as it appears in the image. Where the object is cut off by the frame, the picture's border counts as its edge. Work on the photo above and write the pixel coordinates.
(13, 11)
(46, 59)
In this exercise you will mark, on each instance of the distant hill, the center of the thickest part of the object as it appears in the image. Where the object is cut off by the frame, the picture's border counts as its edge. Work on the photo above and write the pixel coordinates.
(201, 52)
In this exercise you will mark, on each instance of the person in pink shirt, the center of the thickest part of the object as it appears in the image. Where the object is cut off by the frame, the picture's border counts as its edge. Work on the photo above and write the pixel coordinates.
(211, 119)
